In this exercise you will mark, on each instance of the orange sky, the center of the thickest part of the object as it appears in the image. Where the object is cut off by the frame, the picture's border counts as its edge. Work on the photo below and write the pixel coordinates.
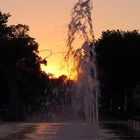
(48, 20)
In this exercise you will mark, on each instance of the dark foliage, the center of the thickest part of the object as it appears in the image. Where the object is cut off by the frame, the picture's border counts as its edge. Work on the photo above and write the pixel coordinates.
(25, 89)
(19, 62)
(118, 55)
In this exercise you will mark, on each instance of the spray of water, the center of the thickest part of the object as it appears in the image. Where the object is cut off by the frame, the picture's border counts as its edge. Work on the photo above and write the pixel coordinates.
(85, 90)
(81, 23)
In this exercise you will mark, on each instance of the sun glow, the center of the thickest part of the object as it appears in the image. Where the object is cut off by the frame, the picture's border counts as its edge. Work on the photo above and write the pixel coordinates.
(57, 71)
(54, 70)
(56, 63)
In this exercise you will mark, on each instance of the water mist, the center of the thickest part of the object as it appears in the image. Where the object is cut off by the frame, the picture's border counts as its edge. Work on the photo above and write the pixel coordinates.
(85, 90)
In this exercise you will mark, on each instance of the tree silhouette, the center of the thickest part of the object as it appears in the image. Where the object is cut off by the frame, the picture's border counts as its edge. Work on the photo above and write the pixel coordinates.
(26, 89)
(19, 65)
(119, 66)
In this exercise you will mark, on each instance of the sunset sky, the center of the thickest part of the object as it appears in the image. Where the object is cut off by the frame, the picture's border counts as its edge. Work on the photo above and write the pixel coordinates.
(48, 20)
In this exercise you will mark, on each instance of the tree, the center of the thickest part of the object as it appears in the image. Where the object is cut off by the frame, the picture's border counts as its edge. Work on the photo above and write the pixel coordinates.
(26, 89)
(118, 64)
(20, 63)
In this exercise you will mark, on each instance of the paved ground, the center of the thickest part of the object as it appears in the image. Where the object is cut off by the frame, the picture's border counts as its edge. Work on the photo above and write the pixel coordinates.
(109, 130)
(52, 131)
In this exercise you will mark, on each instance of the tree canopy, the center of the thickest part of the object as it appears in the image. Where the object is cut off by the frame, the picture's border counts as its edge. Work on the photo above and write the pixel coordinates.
(19, 59)
(118, 55)
(21, 79)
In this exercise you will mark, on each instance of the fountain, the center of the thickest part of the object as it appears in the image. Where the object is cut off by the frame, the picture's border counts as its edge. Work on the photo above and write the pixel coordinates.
(79, 96)
(83, 70)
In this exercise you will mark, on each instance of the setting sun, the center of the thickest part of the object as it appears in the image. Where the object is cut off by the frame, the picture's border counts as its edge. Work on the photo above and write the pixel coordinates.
(56, 71)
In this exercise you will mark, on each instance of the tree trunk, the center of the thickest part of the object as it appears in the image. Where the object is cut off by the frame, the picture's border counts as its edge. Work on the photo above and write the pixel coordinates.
(14, 100)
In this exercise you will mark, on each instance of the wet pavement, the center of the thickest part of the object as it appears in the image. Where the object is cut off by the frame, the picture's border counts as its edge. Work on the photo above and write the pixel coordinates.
(122, 131)
(67, 131)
